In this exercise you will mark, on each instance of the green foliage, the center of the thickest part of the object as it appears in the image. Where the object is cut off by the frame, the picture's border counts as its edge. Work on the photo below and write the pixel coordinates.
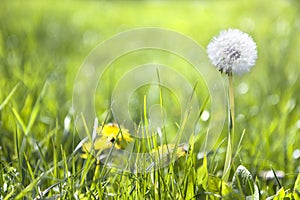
(297, 188)
(202, 174)
(243, 181)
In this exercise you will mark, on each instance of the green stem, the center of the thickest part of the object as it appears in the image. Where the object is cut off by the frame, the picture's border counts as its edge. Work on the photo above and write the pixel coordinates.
(231, 107)
(228, 158)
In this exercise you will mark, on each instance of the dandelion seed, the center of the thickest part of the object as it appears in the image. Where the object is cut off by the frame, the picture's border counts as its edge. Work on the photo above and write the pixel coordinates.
(232, 51)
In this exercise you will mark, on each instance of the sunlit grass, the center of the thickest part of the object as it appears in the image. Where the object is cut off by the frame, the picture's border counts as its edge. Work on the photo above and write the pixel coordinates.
(41, 48)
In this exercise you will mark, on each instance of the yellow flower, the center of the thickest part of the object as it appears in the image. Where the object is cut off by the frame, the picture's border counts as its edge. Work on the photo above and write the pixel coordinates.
(108, 135)
(112, 132)
(168, 149)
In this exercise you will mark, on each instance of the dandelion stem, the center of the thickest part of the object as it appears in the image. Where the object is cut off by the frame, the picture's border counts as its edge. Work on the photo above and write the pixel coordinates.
(231, 106)
(228, 158)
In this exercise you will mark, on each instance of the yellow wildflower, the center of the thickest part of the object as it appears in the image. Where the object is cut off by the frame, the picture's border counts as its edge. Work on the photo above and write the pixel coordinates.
(108, 135)
(168, 149)
(112, 132)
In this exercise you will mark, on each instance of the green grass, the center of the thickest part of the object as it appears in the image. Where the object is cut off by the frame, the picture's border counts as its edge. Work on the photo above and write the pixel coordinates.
(42, 46)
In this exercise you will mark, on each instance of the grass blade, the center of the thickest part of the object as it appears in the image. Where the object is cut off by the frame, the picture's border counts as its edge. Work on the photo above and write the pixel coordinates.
(19, 119)
(9, 96)
(36, 109)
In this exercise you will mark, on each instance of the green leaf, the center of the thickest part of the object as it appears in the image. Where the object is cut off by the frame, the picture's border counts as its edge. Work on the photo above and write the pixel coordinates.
(280, 194)
(243, 181)
(218, 186)
(297, 188)
(190, 190)
(202, 174)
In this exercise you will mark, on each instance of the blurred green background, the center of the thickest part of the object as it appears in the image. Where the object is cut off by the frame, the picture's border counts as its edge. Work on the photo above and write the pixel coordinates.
(47, 41)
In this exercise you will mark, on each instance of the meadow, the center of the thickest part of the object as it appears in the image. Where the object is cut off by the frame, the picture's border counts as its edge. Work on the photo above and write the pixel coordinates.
(43, 44)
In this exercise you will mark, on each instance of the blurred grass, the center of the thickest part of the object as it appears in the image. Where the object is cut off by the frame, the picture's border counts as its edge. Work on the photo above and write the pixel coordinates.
(45, 42)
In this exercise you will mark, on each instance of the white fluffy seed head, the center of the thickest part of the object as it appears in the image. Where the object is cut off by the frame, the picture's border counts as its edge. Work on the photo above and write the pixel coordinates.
(232, 51)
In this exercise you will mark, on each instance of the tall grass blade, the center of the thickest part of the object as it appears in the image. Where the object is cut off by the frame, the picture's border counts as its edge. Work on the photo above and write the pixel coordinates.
(36, 109)
(9, 96)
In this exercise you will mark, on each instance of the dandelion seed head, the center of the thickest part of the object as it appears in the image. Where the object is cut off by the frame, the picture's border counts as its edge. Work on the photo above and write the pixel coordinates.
(232, 51)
